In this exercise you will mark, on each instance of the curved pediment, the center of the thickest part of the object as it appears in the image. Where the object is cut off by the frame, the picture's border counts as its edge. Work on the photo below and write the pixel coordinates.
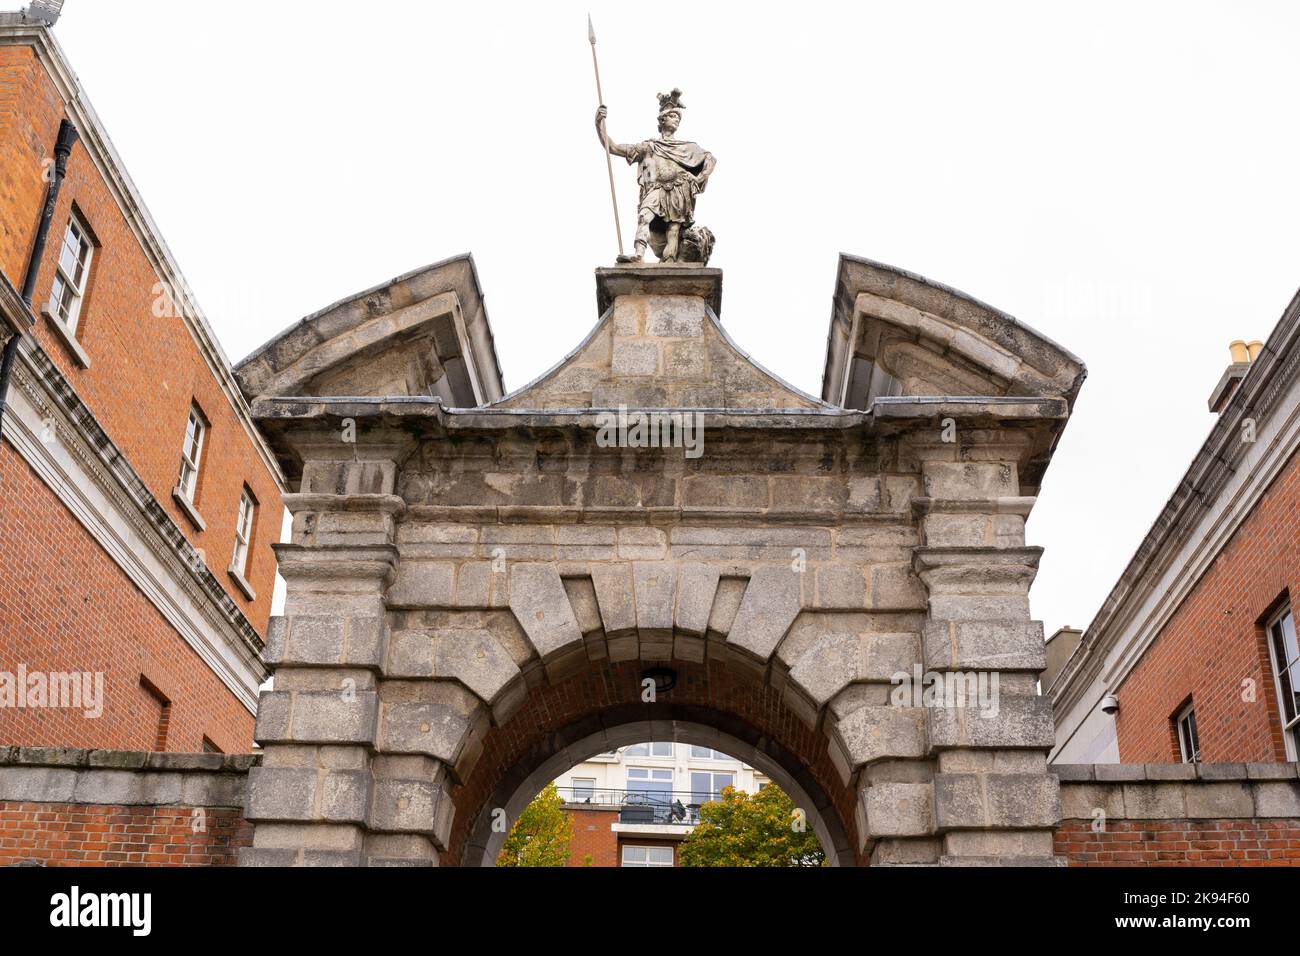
(425, 333)
(896, 333)
(659, 344)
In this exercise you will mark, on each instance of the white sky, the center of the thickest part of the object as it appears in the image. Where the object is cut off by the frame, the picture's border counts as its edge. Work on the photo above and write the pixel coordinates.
(1120, 176)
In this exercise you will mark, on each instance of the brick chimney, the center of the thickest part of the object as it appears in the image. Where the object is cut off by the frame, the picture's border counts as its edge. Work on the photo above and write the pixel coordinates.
(1243, 354)
(1059, 648)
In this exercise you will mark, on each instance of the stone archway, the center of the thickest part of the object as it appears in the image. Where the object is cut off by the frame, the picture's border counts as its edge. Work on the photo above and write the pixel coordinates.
(687, 724)
(473, 590)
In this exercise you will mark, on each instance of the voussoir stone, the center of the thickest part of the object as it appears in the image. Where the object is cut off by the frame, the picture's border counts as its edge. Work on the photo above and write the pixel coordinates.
(771, 602)
(541, 605)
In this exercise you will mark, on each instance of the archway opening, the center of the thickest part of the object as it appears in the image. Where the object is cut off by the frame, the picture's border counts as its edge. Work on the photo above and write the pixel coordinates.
(601, 710)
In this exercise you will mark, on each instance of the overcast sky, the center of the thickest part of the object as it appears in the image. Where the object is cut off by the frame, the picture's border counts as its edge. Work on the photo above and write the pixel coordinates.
(1120, 176)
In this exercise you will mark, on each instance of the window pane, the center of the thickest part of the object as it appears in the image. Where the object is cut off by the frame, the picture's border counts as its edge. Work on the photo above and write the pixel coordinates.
(186, 481)
(663, 749)
(1284, 640)
(69, 255)
(638, 750)
(1190, 741)
(701, 785)
(663, 855)
(647, 786)
(59, 296)
(1289, 680)
(79, 270)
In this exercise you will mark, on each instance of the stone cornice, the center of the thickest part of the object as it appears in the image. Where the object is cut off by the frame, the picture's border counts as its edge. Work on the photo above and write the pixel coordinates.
(919, 410)
(890, 327)
(410, 308)
(17, 317)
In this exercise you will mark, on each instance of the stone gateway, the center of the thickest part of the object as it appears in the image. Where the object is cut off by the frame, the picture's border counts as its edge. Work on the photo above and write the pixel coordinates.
(478, 588)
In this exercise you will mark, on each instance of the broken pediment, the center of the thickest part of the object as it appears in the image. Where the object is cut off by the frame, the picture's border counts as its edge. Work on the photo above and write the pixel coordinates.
(658, 344)
(423, 334)
(894, 333)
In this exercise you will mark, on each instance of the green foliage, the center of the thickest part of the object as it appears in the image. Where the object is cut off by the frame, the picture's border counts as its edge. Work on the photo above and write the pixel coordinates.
(745, 829)
(541, 835)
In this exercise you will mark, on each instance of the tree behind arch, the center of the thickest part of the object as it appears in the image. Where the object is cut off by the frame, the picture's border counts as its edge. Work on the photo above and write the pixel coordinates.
(541, 835)
(744, 829)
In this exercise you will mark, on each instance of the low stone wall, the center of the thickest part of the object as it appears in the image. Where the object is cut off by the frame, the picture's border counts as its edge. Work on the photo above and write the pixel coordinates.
(1164, 814)
(62, 807)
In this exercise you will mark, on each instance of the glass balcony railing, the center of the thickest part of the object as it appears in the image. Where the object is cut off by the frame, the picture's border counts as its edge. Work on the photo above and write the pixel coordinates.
(654, 807)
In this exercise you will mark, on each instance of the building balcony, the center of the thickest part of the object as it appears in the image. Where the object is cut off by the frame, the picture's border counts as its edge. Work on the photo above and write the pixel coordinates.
(641, 808)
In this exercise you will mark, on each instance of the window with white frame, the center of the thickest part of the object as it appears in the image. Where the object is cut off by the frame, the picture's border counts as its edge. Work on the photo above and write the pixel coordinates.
(243, 533)
(70, 275)
(660, 749)
(649, 785)
(1189, 742)
(708, 753)
(584, 788)
(1286, 672)
(647, 856)
(192, 454)
(707, 785)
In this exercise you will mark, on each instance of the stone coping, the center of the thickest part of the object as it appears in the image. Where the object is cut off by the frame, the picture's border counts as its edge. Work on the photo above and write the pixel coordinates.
(658, 278)
(123, 777)
(1170, 791)
(1164, 772)
(127, 760)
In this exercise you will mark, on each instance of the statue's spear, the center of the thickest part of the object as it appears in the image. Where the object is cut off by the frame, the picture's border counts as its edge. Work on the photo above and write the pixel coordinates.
(609, 164)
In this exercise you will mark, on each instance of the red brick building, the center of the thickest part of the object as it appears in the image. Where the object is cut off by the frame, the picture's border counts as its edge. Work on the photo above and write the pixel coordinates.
(139, 503)
(602, 838)
(1193, 656)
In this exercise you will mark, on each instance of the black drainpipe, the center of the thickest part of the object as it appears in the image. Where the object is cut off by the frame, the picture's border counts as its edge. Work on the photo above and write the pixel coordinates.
(62, 147)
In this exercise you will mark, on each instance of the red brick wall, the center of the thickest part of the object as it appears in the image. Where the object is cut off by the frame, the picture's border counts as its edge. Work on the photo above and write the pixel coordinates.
(66, 605)
(592, 836)
(145, 371)
(1214, 642)
(68, 834)
(1181, 843)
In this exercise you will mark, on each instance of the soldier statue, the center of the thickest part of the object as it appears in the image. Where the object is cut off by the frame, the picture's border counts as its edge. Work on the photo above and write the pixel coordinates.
(671, 172)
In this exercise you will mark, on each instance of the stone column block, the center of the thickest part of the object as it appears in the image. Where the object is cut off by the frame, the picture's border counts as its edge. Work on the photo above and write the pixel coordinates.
(899, 809)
